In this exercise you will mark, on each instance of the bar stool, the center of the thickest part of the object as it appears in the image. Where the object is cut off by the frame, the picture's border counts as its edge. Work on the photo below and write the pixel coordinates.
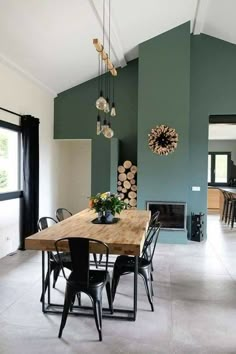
(228, 207)
(225, 205)
(232, 214)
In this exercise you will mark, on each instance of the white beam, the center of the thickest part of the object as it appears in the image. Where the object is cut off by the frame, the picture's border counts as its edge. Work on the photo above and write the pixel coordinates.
(200, 15)
(116, 45)
(26, 74)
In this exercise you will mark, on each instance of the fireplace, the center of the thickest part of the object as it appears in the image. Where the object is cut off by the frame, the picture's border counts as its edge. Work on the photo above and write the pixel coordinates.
(173, 215)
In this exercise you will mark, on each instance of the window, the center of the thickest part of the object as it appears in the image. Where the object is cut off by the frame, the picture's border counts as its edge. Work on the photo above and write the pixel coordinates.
(9, 161)
(218, 167)
(10, 157)
(10, 193)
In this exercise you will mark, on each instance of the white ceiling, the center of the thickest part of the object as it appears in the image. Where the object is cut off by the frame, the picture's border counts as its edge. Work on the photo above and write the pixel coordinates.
(222, 132)
(51, 41)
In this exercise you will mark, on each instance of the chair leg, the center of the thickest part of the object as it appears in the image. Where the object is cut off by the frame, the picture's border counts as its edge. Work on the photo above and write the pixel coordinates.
(147, 282)
(100, 258)
(79, 298)
(224, 209)
(115, 281)
(227, 211)
(69, 296)
(95, 259)
(233, 215)
(229, 215)
(47, 281)
(56, 275)
(151, 286)
(109, 296)
(98, 316)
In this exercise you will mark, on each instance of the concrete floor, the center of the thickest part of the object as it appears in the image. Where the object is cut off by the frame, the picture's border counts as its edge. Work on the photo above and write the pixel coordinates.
(195, 305)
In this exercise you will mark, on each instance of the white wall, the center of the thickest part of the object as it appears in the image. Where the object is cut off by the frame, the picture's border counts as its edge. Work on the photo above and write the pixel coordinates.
(21, 95)
(65, 166)
(74, 174)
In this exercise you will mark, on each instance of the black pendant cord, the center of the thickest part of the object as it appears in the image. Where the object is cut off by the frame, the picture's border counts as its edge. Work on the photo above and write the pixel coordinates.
(113, 90)
(8, 111)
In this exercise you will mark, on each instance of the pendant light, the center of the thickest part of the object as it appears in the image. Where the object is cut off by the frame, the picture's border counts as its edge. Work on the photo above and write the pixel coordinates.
(113, 108)
(104, 80)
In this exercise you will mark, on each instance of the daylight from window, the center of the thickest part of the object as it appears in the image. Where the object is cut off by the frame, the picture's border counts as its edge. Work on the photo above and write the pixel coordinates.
(8, 161)
(218, 167)
(209, 168)
(221, 167)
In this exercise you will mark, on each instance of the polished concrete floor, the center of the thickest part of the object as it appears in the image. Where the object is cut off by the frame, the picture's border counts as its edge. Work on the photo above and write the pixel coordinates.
(195, 305)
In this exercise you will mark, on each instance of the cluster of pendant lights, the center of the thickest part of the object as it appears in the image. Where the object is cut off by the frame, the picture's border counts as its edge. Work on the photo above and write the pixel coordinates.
(107, 72)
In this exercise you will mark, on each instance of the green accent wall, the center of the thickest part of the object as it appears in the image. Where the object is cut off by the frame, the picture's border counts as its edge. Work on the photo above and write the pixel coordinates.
(164, 89)
(213, 91)
(179, 80)
(75, 118)
(114, 163)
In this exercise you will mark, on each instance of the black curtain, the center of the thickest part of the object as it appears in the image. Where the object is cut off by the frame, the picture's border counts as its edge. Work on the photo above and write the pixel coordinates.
(30, 200)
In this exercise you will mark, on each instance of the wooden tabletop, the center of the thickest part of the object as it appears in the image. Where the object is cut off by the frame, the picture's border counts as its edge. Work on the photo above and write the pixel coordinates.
(125, 237)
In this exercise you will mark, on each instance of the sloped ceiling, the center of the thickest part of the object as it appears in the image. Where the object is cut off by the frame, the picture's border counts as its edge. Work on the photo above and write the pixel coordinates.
(51, 41)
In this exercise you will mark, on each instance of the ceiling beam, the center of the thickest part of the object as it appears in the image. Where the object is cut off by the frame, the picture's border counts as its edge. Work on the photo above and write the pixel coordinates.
(200, 16)
(116, 45)
(26, 74)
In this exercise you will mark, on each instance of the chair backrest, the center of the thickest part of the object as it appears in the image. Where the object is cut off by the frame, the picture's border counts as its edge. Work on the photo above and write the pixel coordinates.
(45, 222)
(154, 218)
(151, 241)
(79, 248)
(62, 214)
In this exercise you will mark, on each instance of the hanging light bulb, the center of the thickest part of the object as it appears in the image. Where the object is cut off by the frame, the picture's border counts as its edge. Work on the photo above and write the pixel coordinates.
(113, 110)
(107, 106)
(108, 132)
(101, 102)
(99, 130)
(104, 125)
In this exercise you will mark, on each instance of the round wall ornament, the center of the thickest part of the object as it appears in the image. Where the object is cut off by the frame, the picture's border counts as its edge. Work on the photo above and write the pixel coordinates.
(162, 140)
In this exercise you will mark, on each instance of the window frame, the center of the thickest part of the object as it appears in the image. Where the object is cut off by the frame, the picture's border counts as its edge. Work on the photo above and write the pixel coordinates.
(17, 193)
(213, 158)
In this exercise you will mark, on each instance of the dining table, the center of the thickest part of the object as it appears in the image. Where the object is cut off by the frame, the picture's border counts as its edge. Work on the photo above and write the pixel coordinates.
(126, 236)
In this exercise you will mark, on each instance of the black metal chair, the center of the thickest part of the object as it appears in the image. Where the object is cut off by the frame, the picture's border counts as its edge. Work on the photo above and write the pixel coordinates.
(55, 265)
(154, 219)
(126, 264)
(227, 207)
(83, 279)
(62, 214)
(232, 212)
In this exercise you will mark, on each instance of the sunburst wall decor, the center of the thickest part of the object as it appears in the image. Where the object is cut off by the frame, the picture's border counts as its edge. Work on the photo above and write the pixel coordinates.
(162, 140)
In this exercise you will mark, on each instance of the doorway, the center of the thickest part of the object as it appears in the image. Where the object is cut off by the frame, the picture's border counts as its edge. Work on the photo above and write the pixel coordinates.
(221, 159)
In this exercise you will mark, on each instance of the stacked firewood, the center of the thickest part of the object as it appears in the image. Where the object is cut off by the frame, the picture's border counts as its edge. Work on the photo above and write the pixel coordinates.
(126, 184)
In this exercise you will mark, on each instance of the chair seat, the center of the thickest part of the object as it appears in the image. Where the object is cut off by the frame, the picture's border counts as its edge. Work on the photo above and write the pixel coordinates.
(65, 258)
(97, 278)
(129, 261)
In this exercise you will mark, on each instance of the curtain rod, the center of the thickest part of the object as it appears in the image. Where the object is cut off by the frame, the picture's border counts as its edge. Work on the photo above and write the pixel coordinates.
(7, 110)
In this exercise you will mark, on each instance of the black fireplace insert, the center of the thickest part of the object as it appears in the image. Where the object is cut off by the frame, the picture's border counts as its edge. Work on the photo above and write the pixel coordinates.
(173, 215)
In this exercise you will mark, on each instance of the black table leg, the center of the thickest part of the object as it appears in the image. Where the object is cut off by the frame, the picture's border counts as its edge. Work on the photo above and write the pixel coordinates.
(43, 281)
(49, 277)
(135, 286)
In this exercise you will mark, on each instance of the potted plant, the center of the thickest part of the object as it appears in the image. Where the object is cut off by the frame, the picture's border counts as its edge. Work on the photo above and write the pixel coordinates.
(107, 204)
